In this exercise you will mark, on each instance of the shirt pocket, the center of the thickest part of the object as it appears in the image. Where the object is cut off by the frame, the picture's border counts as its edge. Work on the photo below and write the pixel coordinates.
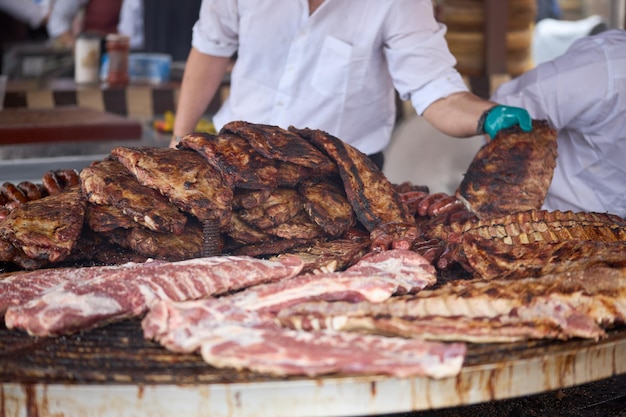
(331, 75)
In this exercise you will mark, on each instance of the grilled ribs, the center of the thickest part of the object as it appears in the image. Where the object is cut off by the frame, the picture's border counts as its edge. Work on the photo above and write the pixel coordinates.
(237, 162)
(510, 173)
(184, 177)
(46, 229)
(165, 246)
(280, 207)
(326, 203)
(274, 142)
(373, 198)
(110, 183)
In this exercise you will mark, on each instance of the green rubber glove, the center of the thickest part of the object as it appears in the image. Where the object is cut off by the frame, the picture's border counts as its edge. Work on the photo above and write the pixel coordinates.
(502, 117)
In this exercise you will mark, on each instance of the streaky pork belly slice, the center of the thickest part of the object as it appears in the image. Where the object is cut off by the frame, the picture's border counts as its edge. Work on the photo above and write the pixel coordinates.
(20, 287)
(228, 336)
(374, 278)
(117, 293)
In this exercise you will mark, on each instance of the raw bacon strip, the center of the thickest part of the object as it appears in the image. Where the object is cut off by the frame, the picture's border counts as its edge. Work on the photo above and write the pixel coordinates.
(118, 293)
(22, 287)
(405, 265)
(374, 278)
(230, 337)
(181, 326)
(284, 352)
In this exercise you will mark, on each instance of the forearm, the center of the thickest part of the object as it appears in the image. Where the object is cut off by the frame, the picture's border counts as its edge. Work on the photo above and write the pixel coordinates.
(201, 80)
(457, 115)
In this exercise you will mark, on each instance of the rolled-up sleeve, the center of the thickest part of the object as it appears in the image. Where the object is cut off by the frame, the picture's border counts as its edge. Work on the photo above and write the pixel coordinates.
(216, 31)
(421, 64)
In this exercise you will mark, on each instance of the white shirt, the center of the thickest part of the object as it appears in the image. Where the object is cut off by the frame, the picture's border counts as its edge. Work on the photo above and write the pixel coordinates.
(583, 95)
(334, 70)
(130, 20)
(27, 11)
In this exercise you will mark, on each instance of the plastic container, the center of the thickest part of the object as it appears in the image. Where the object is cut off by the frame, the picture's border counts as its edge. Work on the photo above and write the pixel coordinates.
(149, 68)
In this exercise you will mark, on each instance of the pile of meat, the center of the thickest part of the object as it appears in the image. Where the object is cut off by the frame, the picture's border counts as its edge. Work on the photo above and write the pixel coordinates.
(287, 251)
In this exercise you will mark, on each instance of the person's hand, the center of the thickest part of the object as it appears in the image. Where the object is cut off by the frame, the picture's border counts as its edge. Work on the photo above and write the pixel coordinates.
(502, 117)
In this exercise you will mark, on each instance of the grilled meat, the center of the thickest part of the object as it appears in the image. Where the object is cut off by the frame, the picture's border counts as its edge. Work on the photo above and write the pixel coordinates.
(237, 162)
(277, 143)
(329, 256)
(241, 232)
(275, 246)
(184, 177)
(510, 173)
(109, 183)
(562, 305)
(373, 198)
(162, 245)
(491, 259)
(48, 228)
(298, 227)
(280, 207)
(248, 199)
(326, 203)
(105, 218)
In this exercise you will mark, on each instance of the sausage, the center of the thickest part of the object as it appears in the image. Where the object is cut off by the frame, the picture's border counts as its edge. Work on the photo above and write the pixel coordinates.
(422, 208)
(445, 205)
(13, 193)
(67, 177)
(51, 183)
(31, 190)
(412, 199)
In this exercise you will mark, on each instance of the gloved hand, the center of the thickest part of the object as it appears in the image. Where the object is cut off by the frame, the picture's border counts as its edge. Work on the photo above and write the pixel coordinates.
(502, 117)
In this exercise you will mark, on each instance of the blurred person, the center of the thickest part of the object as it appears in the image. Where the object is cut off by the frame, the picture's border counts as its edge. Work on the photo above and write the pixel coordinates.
(331, 65)
(21, 21)
(100, 17)
(582, 94)
(34, 14)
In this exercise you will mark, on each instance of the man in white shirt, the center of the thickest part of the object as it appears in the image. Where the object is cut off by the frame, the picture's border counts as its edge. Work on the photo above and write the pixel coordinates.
(330, 65)
(582, 94)
(100, 16)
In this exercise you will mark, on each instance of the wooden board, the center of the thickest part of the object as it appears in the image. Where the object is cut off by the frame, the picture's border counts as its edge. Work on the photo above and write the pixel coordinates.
(64, 124)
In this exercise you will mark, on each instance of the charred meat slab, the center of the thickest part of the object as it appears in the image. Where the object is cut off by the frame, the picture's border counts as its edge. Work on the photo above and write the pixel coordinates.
(329, 256)
(47, 228)
(492, 259)
(275, 142)
(326, 203)
(110, 183)
(166, 246)
(184, 177)
(510, 173)
(373, 198)
(238, 163)
(282, 205)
